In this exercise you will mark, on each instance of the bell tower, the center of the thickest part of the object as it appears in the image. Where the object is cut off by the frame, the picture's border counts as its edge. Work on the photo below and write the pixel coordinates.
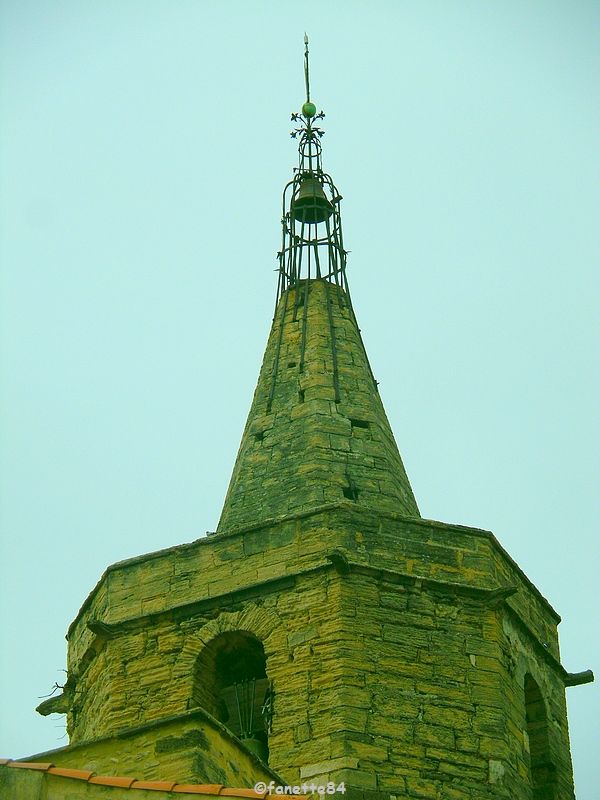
(317, 432)
(325, 632)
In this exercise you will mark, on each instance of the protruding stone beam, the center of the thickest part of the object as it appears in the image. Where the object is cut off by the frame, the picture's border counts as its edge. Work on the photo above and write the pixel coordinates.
(579, 678)
(59, 704)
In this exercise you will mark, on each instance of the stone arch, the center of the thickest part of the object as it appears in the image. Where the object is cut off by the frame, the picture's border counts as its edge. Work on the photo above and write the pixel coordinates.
(231, 683)
(261, 622)
(542, 768)
(225, 666)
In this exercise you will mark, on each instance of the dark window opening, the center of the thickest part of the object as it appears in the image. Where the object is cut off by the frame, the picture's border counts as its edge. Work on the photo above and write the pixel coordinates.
(301, 396)
(543, 770)
(230, 682)
(291, 364)
(259, 436)
(359, 423)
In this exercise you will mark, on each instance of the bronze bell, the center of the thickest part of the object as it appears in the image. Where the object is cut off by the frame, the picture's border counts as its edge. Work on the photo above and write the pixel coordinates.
(310, 204)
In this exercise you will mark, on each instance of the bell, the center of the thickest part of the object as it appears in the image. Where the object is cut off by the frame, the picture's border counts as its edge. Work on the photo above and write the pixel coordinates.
(311, 205)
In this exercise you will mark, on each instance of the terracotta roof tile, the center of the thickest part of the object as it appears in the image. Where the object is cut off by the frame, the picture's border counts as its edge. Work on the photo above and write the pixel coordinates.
(133, 783)
(65, 772)
(196, 788)
(30, 765)
(109, 780)
(158, 786)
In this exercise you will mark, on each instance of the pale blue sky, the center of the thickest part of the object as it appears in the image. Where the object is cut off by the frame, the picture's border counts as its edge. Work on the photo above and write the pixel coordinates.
(143, 150)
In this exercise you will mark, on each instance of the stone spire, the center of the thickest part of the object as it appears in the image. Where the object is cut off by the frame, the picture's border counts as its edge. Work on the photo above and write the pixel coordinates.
(317, 432)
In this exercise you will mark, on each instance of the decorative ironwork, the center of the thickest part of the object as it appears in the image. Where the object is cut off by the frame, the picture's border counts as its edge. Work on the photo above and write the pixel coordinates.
(245, 692)
(312, 241)
(253, 704)
(312, 244)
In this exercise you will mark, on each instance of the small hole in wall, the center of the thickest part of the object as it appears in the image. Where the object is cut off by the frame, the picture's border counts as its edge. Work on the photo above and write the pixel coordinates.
(259, 436)
(301, 395)
(350, 493)
(359, 423)
(291, 364)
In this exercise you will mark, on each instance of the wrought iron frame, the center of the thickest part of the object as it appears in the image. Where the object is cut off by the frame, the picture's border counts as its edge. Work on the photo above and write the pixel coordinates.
(307, 250)
(310, 252)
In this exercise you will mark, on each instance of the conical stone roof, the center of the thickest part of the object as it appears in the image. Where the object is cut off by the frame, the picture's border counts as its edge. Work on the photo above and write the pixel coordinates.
(317, 432)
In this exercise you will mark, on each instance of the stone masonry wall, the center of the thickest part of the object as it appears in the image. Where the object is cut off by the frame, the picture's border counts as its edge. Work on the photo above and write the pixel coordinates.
(397, 649)
(317, 427)
(189, 748)
(434, 701)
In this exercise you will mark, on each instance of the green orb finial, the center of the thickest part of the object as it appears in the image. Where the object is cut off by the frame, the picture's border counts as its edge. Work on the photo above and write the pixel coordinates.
(309, 109)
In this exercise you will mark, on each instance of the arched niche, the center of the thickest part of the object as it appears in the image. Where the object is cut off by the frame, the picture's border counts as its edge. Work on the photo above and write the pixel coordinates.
(543, 770)
(230, 681)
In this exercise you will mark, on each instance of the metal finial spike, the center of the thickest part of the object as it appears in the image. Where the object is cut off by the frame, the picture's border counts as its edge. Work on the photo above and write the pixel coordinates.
(306, 67)
(308, 109)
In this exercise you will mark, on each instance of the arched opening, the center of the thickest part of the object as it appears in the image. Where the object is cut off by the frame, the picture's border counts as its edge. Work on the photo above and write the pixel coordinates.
(543, 771)
(230, 682)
